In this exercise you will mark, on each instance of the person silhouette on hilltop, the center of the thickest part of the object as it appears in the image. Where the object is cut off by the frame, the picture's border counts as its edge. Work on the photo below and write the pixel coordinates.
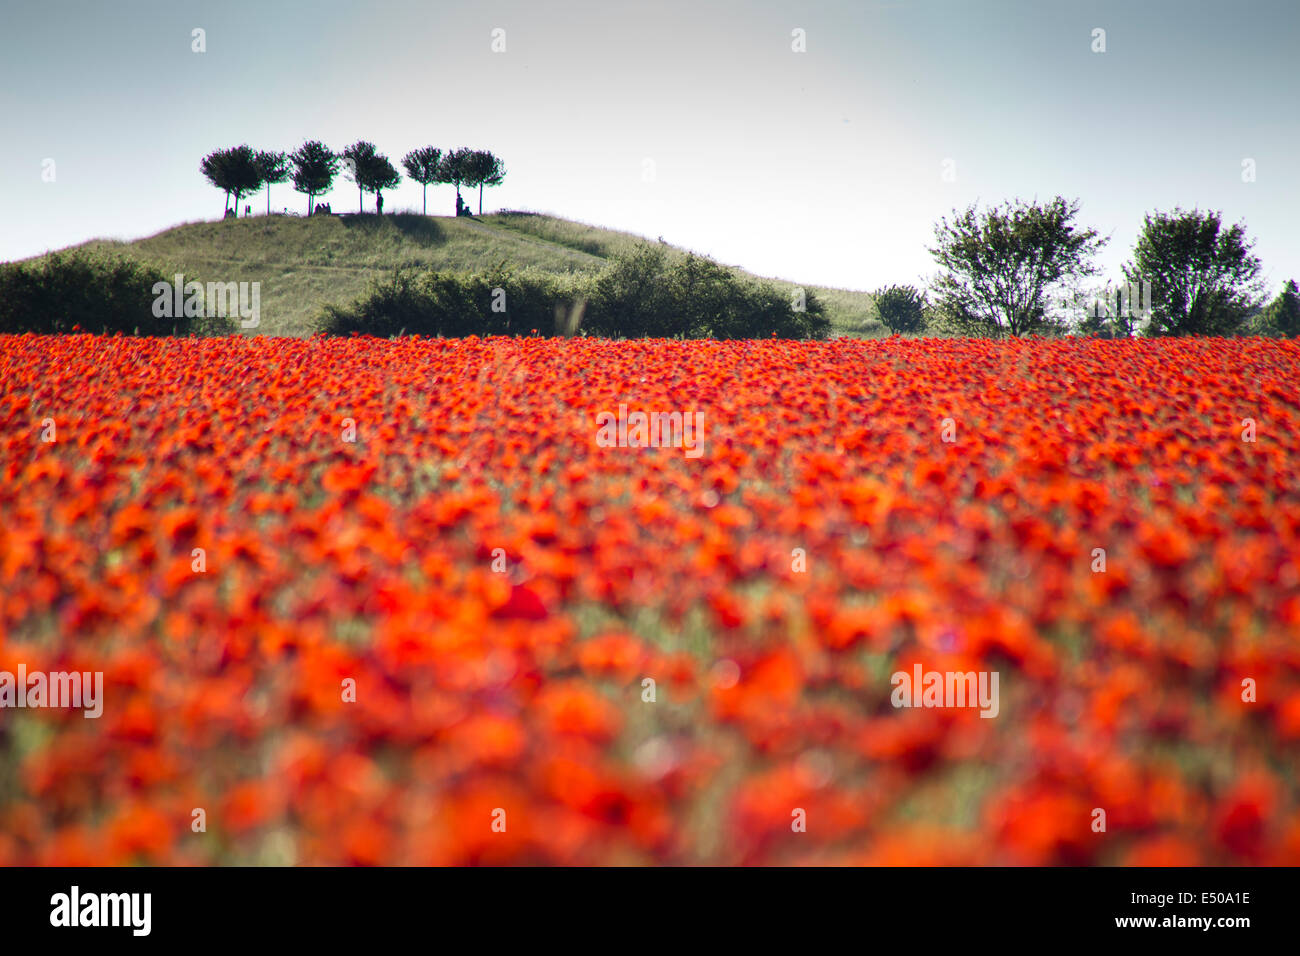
(379, 203)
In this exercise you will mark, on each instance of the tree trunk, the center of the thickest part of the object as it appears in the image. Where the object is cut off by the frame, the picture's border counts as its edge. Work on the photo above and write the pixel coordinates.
(268, 199)
(480, 199)
(360, 198)
(426, 199)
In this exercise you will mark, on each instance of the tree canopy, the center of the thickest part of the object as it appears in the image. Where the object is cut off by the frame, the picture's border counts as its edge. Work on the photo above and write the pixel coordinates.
(483, 169)
(381, 175)
(272, 167)
(424, 165)
(900, 308)
(456, 168)
(999, 266)
(234, 171)
(1282, 315)
(369, 169)
(1204, 279)
(358, 160)
(314, 166)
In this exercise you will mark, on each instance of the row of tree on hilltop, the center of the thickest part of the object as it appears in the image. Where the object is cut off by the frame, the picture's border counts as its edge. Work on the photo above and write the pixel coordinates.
(241, 170)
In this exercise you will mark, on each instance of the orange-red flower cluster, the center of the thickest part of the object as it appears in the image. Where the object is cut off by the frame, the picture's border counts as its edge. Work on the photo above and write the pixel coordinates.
(475, 635)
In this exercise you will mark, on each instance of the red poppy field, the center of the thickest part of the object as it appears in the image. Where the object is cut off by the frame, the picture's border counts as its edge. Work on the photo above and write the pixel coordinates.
(363, 601)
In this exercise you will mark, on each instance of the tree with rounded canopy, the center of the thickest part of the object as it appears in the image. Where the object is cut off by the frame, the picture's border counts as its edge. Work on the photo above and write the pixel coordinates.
(233, 170)
(314, 166)
(272, 167)
(380, 174)
(900, 308)
(356, 160)
(1001, 265)
(424, 165)
(1204, 280)
(455, 169)
(483, 169)
(369, 169)
(214, 167)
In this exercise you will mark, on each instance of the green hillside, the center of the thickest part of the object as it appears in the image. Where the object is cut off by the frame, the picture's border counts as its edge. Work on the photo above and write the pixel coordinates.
(304, 263)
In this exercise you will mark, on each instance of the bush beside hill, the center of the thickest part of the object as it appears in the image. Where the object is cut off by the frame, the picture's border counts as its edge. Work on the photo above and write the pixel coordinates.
(644, 292)
(93, 291)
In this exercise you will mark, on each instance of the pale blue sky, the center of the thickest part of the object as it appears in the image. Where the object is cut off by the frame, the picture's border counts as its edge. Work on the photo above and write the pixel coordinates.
(822, 167)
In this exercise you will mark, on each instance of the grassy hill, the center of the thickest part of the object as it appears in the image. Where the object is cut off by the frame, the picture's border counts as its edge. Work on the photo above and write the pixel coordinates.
(305, 263)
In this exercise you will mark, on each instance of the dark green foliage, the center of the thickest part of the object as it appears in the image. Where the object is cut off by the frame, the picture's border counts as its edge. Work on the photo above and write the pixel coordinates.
(1000, 266)
(382, 175)
(644, 293)
(97, 293)
(631, 295)
(369, 169)
(900, 308)
(456, 168)
(483, 169)
(235, 171)
(424, 165)
(1281, 317)
(272, 167)
(641, 294)
(499, 302)
(314, 166)
(356, 160)
(1204, 281)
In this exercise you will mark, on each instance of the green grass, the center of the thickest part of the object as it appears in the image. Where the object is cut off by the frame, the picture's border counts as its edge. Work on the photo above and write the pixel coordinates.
(304, 264)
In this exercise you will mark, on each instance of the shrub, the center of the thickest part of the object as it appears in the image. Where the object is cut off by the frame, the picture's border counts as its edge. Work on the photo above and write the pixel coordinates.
(455, 305)
(95, 291)
(630, 297)
(900, 308)
(642, 293)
